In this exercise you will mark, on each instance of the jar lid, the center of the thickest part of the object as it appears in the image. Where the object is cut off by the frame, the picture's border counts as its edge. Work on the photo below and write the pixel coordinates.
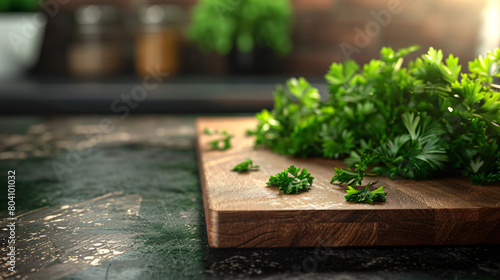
(96, 14)
(96, 18)
(159, 15)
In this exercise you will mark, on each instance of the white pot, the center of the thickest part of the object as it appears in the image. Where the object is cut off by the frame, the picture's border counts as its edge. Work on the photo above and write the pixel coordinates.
(21, 36)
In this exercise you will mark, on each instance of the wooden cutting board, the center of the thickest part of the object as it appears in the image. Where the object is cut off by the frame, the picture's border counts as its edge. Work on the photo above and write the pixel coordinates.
(241, 211)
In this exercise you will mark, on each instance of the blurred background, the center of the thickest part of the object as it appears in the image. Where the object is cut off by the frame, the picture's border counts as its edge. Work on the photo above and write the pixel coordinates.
(209, 56)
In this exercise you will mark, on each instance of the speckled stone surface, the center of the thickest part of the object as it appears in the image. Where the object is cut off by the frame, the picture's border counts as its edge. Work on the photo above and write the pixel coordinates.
(124, 202)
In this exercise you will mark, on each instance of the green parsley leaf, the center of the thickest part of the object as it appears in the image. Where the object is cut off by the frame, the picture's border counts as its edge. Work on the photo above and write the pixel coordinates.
(365, 195)
(247, 165)
(291, 181)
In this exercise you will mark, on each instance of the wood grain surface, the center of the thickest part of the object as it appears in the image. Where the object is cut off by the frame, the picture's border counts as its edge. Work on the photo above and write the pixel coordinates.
(242, 211)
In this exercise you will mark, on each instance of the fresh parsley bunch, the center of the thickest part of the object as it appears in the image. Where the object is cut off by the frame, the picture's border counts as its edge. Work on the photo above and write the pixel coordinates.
(420, 121)
(291, 181)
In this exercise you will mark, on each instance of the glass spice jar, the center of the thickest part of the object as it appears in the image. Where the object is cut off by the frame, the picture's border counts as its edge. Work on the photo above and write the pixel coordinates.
(97, 50)
(157, 45)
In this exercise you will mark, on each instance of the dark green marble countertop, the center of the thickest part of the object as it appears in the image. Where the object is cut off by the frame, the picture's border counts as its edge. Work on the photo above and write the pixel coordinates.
(124, 202)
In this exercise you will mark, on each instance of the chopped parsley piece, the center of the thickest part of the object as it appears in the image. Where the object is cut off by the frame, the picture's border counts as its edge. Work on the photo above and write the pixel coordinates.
(365, 195)
(221, 144)
(209, 131)
(291, 181)
(247, 165)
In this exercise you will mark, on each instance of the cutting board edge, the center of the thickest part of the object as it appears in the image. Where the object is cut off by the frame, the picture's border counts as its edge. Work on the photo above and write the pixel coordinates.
(366, 230)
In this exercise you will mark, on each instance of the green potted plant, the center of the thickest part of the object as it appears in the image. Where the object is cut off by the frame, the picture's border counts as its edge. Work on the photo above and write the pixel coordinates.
(19, 5)
(249, 31)
(21, 34)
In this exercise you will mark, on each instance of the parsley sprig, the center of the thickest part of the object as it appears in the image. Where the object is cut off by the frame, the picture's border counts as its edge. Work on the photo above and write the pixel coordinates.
(424, 120)
(365, 195)
(291, 181)
(346, 176)
(244, 166)
(353, 178)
